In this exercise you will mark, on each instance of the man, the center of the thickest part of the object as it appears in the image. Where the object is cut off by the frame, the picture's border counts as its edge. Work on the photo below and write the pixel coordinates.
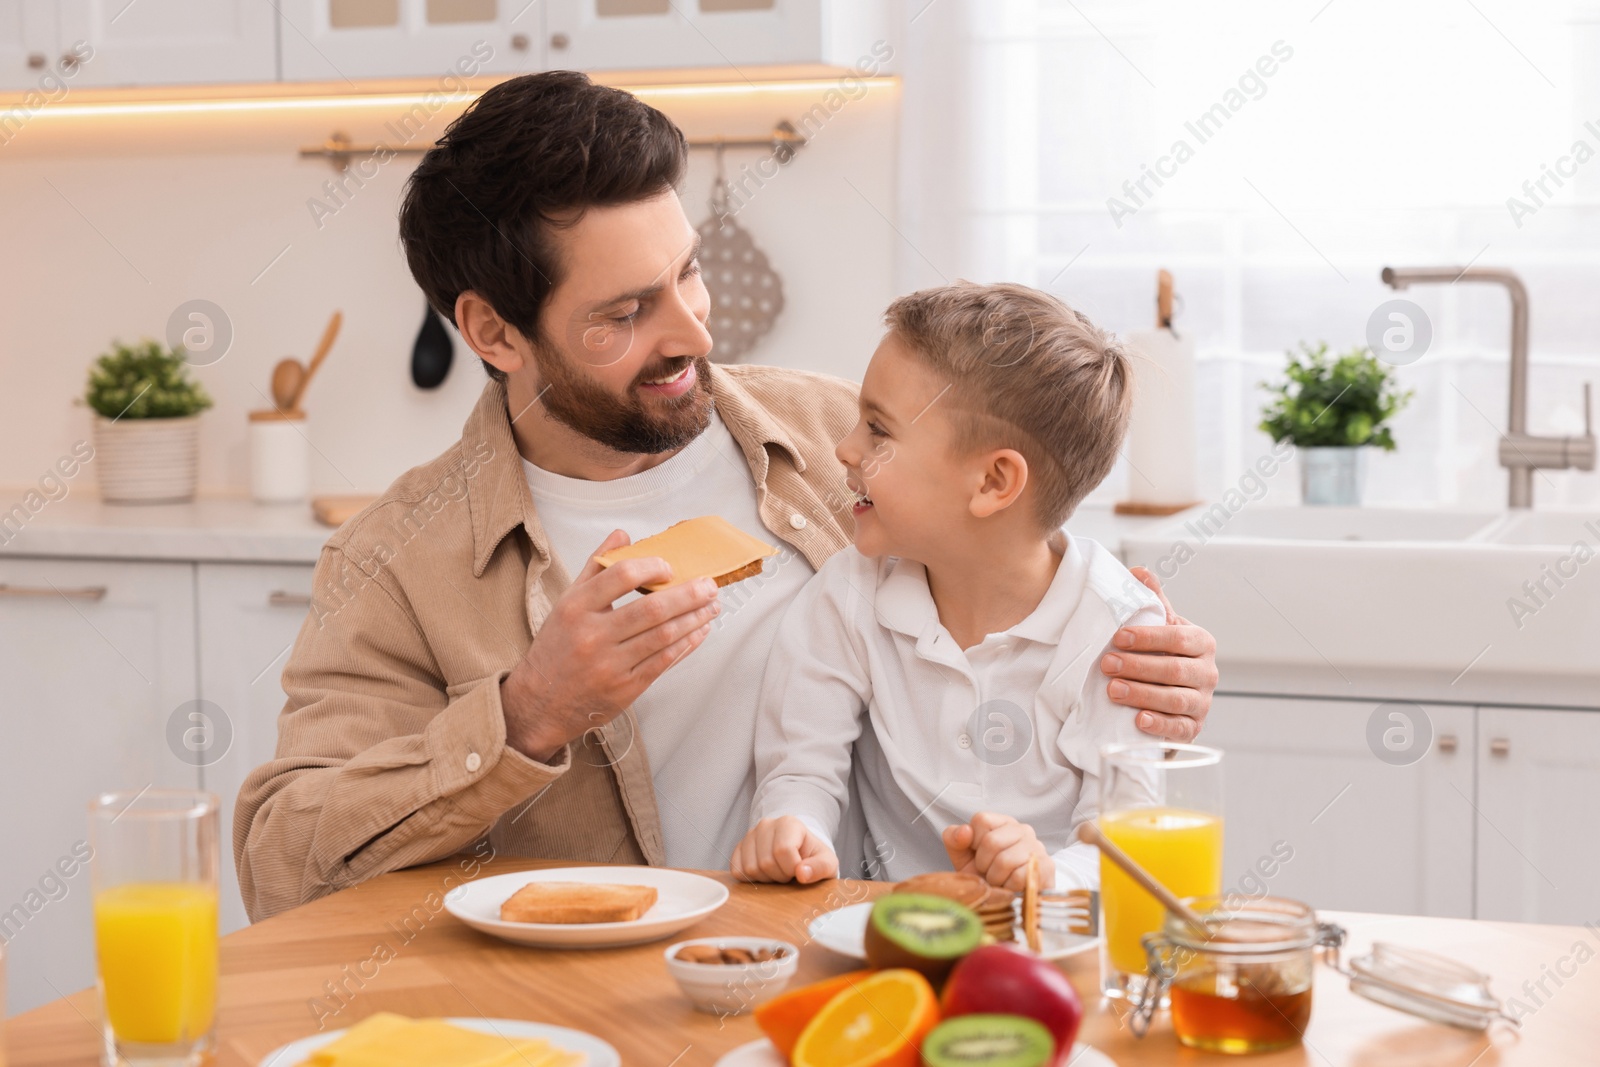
(456, 680)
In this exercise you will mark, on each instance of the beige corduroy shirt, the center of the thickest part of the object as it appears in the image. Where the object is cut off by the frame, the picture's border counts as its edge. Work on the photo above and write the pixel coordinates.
(391, 747)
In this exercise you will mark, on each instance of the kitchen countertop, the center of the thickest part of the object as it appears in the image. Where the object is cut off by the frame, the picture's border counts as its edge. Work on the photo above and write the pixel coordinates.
(220, 529)
(211, 529)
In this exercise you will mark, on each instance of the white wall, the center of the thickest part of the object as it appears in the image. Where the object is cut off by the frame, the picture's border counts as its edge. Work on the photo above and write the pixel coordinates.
(111, 222)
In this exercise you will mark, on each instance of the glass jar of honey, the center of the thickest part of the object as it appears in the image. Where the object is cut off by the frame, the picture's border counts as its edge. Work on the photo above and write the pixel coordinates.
(1244, 983)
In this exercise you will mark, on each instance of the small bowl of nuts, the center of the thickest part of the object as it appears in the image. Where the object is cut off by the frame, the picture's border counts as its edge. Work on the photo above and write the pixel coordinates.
(731, 975)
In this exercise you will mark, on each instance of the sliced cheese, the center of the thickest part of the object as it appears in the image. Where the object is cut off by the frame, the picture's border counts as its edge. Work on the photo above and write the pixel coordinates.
(389, 1040)
(707, 547)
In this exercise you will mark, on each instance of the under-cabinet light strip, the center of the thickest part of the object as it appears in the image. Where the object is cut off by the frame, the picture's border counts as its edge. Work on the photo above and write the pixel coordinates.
(402, 100)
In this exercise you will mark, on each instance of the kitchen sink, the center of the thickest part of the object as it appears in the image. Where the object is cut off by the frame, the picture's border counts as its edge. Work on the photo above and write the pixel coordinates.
(1448, 597)
(1558, 529)
(1340, 524)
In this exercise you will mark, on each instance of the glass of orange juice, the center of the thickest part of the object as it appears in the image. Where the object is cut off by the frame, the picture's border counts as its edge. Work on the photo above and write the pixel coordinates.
(155, 924)
(1161, 803)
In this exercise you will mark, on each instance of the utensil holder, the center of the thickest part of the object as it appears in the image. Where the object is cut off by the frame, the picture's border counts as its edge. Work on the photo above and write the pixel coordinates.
(280, 457)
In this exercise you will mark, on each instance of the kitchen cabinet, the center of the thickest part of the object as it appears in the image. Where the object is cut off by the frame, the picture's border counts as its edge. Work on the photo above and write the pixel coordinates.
(1538, 806)
(166, 42)
(250, 614)
(96, 657)
(653, 34)
(27, 46)
(1390, 833)
(162, 42)
(339, 40)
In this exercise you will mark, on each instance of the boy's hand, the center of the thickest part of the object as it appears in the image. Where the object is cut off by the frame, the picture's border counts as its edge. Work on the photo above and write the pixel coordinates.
(997, 847)
(777, 850)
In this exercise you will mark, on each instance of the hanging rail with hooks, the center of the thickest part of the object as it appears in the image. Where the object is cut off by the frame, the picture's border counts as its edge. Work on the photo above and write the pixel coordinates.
(338, 149)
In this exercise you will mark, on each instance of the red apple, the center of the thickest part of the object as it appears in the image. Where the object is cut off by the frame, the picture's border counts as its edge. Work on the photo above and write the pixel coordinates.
(1008, 981)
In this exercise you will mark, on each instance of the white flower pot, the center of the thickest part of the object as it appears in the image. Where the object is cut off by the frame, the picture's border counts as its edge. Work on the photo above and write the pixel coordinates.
(1332, 475)
(147, 461)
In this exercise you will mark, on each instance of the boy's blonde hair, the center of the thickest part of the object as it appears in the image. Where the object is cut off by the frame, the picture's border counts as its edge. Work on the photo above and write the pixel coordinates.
(1025, 372)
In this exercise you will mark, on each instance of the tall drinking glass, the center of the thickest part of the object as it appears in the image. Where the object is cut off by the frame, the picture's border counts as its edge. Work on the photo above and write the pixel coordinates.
(1160, 803)
(155, 924)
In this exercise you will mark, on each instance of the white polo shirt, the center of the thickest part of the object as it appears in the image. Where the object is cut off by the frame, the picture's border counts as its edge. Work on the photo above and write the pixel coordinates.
(1013, 724)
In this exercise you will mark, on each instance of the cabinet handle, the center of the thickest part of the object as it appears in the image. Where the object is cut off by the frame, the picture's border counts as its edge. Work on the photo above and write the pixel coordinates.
(559, 41)
(18, 592)
(1500, 746)
(1447, 743)
(280, 599)
(519, 42)
(69, 62)
(36, 60)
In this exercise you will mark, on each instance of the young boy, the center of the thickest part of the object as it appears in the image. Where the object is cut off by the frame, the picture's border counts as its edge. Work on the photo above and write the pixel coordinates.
(957, 648)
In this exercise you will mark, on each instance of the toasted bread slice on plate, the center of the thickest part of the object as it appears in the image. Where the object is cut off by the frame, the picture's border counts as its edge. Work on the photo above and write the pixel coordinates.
(577, 902)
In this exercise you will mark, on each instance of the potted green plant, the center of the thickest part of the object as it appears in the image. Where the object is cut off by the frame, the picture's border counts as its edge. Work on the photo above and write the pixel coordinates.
(147, 424)
(1332, 409)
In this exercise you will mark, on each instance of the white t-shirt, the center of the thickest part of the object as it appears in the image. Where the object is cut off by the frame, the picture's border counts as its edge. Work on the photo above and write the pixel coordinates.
(1012, 725)
(697, 721)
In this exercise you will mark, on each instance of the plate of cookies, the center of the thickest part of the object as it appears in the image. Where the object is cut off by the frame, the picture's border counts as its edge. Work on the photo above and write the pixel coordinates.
(586, 907)
(1006, 917)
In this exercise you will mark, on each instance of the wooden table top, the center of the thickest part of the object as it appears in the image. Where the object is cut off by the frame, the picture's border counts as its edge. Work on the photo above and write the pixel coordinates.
(347, 952)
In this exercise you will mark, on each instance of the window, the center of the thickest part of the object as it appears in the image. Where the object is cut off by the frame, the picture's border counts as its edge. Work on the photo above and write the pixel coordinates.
(1275, 157)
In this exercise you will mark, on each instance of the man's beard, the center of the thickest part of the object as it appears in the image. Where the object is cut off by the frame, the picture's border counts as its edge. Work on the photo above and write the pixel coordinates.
(626, 424)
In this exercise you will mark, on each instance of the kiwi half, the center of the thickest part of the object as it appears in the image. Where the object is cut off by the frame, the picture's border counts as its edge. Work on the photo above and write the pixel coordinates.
(920, 931)
(988, 1041)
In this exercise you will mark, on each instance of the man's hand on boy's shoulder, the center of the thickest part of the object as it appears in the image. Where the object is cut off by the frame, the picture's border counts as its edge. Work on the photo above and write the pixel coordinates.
(1167, 673)
(781, 850)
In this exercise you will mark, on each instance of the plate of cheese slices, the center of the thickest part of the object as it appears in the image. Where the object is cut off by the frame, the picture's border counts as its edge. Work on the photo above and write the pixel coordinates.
(396, 1041)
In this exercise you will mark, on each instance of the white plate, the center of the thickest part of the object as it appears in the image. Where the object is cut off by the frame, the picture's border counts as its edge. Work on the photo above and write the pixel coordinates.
(598, 1052)
(764, 1053)
(682, 900)
(844, 930)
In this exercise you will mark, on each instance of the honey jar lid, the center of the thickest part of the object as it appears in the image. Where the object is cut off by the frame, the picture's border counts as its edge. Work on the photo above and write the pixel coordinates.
(1427, 985)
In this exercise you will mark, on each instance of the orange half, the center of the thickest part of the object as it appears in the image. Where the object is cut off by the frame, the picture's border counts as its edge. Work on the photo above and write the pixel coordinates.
(785, 1017)
(877, 1022)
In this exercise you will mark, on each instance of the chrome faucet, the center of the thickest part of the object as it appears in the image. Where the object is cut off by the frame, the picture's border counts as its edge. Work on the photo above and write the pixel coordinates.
(1520, 451)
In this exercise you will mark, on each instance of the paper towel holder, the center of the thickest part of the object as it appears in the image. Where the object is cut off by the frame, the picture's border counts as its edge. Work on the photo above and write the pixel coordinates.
(1183, 487)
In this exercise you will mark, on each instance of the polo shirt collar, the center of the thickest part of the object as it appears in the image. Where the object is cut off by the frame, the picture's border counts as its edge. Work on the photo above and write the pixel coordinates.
(905, 605)
(1048, 622)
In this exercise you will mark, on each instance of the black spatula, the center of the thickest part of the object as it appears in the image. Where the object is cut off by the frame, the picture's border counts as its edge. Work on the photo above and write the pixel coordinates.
(432, 353)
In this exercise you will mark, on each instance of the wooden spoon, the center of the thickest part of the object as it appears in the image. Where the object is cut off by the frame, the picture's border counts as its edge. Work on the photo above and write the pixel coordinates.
(1088, 831)
(286, 379)
(326, 343)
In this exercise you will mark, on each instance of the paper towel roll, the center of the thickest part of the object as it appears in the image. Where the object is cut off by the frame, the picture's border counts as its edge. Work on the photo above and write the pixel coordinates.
(1161, 441)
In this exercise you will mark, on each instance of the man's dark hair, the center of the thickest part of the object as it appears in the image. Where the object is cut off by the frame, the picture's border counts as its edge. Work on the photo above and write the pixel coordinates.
(529, 155)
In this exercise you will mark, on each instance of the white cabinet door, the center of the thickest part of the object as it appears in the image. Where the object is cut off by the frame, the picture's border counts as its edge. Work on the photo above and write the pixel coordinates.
(652, 34)
(656, 34)
(28, 52)
(1539, 804)
(1379, 817)
(95, 657)
(338, 40)
(170, 42)
(249, 616)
